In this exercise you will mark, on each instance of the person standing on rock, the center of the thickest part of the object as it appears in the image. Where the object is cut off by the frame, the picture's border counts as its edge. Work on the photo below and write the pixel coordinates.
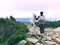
(41, 22)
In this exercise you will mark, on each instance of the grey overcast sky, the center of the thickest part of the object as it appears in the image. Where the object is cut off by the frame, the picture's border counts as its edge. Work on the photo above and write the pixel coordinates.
(26, 8)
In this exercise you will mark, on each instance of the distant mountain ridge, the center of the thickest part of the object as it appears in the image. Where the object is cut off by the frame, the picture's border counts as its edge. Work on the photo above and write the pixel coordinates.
(28, 19)
(23, 19)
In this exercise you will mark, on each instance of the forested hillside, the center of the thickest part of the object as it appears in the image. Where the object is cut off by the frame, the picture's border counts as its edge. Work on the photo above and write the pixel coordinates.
(11, 31)
(53, 24)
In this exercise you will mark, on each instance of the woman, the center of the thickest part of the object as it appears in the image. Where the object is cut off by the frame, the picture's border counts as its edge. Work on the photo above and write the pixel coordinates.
(41, 22)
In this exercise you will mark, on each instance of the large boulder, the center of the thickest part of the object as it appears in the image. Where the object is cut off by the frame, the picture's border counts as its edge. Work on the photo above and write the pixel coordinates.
(32, 40)
(22, 42)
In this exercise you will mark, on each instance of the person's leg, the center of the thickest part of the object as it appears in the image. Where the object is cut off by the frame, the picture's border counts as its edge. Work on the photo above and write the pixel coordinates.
(40, 26)
(42, 30)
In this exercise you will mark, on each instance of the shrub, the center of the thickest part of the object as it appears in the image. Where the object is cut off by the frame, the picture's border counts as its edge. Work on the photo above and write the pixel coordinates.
(11, 31)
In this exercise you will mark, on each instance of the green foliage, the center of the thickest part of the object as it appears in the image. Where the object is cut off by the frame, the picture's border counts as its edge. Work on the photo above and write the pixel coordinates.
(1, 38)
(52, 24)
(15, 38)
(11, 31)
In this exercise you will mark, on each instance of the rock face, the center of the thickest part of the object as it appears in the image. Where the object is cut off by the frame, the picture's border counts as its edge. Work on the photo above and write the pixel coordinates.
(22, 42)
(39, 44)
(51, 37)
(58, 40)
(50, 43)
(32, 40)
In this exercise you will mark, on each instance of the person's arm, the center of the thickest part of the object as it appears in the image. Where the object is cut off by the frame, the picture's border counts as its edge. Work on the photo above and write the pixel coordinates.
(37, 18)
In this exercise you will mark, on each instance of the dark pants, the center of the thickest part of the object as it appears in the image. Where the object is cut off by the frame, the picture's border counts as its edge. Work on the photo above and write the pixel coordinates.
(41, 28)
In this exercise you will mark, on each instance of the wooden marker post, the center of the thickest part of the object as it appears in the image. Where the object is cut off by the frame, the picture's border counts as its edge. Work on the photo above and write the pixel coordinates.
(34, 24)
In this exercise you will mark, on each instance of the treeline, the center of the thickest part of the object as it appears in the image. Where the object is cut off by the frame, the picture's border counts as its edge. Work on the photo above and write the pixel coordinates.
(53, 24)
(11, 31)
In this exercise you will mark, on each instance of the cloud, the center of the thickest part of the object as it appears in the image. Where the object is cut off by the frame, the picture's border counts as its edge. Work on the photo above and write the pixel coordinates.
(29, 5)
(26, 8)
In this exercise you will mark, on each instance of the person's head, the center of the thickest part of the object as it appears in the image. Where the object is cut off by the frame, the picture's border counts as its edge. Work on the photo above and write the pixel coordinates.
(41, 13)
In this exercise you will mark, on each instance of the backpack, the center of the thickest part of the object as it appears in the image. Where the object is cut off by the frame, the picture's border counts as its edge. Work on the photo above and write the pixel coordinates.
(41, 19)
